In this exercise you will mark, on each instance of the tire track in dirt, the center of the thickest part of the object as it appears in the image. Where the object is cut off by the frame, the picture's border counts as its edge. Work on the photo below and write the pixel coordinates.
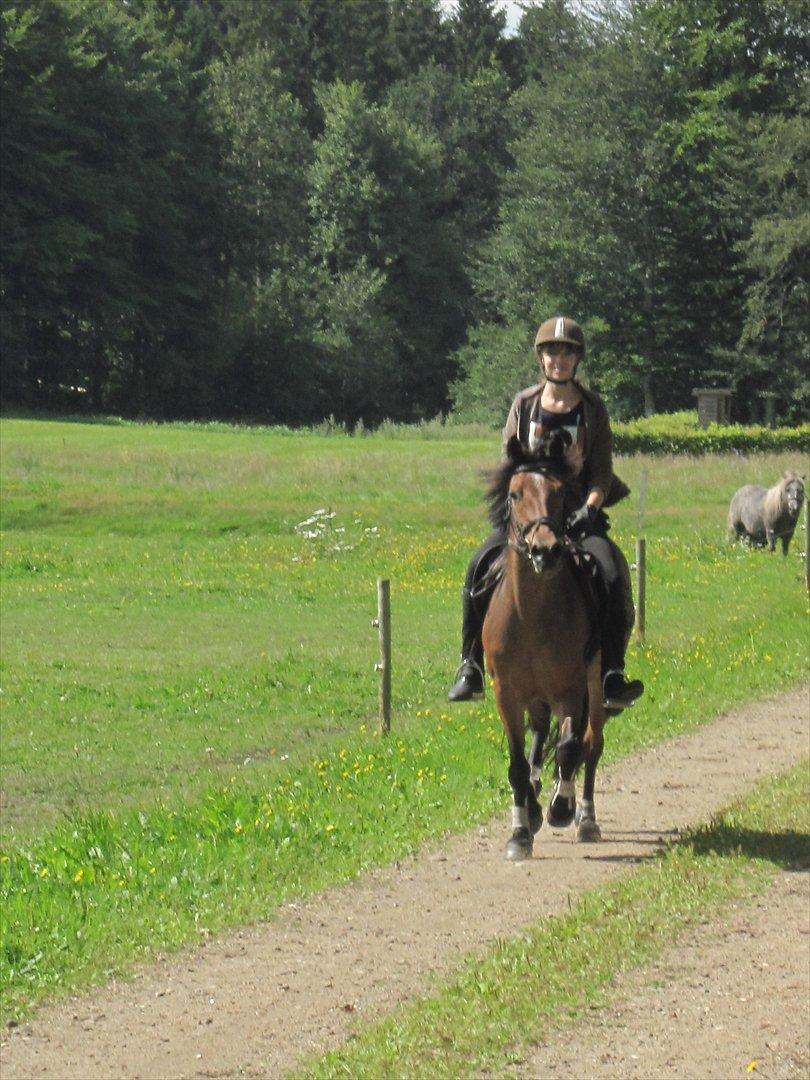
(253, 1002)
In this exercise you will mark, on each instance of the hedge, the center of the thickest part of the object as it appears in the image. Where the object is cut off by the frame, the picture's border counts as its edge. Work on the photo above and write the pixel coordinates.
(678, 433)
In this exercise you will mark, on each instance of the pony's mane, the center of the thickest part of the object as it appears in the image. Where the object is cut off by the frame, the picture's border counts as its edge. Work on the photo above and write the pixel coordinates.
(549, 459)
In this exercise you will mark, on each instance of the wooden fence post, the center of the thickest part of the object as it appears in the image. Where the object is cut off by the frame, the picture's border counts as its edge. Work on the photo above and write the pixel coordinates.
(641, 588)
(642, 499)
(383, 622)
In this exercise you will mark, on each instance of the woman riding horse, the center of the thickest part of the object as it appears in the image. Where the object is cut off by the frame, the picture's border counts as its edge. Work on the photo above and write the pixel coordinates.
(560, 402)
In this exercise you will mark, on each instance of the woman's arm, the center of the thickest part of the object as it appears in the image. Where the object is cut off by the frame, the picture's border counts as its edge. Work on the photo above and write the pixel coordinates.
(600, 454)
(511, 426)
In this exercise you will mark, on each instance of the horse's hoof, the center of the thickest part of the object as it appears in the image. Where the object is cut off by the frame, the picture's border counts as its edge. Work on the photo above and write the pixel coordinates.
(561, 813)
(519, 846)
(588, 832)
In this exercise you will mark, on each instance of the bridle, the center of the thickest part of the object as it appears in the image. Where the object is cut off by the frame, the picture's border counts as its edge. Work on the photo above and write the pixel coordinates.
(518, 541)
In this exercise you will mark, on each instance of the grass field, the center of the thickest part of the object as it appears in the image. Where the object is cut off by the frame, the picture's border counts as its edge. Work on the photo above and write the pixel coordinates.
(188, 693)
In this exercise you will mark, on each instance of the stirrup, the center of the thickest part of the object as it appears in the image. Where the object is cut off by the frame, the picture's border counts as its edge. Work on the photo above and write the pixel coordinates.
(469, 684)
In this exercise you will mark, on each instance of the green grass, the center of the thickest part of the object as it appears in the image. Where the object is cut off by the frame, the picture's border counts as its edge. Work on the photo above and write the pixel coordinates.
(486, 1020)
(178, 658)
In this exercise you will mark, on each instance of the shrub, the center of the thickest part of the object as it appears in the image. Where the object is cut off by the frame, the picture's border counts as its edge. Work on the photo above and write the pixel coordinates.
(678, 433)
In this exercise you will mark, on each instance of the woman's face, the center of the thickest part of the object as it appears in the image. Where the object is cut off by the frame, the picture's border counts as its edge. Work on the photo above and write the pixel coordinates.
(558, 360)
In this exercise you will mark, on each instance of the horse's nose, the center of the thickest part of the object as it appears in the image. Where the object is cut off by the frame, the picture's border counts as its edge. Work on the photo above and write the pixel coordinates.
(545, 557)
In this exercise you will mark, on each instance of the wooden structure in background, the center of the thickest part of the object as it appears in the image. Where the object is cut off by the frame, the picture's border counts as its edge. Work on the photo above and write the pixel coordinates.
(713, 406)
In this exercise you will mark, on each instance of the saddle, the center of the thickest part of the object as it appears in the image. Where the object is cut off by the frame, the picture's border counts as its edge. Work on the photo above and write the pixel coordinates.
(588, 576)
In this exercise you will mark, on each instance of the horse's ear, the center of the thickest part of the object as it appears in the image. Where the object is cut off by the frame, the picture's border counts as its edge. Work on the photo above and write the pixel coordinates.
(514, 451)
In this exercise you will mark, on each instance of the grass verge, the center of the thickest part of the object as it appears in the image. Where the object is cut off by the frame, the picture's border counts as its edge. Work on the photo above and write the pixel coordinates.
(486, 1020)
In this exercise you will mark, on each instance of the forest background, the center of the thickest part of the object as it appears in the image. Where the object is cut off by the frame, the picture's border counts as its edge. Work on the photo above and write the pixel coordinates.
(280, 212)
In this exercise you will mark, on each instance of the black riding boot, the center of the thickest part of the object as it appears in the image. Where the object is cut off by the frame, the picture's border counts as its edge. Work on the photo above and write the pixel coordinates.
(618, 692)
(469, 684)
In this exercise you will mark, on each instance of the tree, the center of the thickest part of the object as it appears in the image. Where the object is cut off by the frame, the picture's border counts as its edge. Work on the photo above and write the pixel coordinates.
(476, 28)
(772, 353)
(418, 36)
(551, 36)
(620, 210)
(493, 364)
(743, 70)
(469, 121)
(266, 158)
(374, 189)
(105, 275)
(317, 42)
(587, 225)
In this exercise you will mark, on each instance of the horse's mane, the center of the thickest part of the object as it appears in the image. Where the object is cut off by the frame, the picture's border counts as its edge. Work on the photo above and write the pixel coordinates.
(549, 458)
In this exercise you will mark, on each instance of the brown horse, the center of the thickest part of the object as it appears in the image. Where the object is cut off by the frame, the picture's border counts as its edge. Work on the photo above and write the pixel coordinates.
(541, 645)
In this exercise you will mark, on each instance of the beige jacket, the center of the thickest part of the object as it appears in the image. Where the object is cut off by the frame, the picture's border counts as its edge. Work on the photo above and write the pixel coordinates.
(597, 452)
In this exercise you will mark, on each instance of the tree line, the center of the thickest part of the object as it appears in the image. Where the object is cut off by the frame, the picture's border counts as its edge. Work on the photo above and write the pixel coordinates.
(283, 211)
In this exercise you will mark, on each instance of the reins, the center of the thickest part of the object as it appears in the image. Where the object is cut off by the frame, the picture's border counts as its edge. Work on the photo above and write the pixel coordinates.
(520, 543)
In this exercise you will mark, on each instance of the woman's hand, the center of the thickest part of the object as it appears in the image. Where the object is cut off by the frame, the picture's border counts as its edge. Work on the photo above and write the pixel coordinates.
(581, 522)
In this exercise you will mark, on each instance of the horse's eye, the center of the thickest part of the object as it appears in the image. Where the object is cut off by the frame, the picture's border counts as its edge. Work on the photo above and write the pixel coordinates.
(513, 496)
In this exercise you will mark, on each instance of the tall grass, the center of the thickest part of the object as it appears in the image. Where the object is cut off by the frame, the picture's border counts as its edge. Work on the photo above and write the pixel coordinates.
(187, 667)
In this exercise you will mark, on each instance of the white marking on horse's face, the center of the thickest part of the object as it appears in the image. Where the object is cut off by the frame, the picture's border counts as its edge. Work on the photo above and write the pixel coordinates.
(794, 493)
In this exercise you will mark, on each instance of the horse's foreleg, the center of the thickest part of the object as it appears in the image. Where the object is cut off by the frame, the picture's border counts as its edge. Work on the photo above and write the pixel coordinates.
(520, 843)
(540, 720)
(563, 804)
(587, 828)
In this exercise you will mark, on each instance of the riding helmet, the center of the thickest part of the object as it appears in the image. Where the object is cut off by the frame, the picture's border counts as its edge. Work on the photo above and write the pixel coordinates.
(560, 329)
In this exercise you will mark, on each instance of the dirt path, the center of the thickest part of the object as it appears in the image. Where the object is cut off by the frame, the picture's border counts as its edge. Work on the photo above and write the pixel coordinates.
(732, 997)
(252, 1003)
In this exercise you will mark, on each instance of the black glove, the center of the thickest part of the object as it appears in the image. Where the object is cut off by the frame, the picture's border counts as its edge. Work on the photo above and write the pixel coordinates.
(581, 522)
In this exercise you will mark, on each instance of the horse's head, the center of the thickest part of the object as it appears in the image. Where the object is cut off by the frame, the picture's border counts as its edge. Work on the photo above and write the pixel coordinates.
(793, 492)
(527, 495)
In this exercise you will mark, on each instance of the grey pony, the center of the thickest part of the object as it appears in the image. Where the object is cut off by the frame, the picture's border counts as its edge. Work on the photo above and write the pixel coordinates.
(762, 516)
